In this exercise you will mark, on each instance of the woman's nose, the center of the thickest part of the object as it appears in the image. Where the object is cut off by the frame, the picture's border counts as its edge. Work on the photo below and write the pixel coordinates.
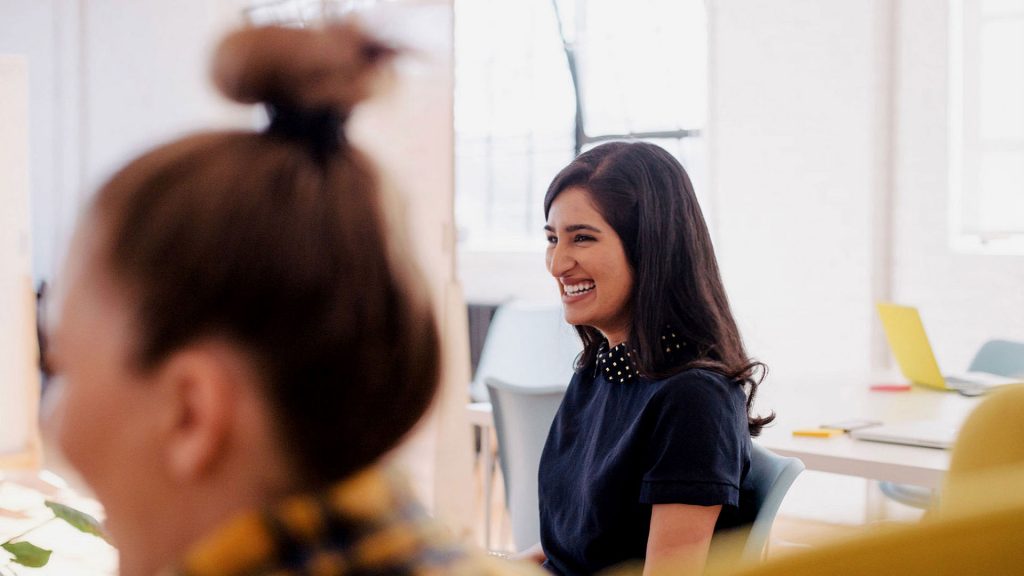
(560, 261)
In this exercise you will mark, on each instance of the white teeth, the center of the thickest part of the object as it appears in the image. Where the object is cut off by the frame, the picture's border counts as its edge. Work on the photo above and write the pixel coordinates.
(580, 288)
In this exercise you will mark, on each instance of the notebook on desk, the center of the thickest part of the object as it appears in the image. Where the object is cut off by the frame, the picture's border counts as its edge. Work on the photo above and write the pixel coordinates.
(909, 344)
(926, 433)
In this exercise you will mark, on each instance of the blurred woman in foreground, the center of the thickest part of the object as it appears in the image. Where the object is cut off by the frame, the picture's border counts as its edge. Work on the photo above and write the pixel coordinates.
(242, 338)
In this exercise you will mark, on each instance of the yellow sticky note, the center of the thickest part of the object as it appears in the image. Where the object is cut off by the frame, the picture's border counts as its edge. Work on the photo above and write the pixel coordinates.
(818, 432)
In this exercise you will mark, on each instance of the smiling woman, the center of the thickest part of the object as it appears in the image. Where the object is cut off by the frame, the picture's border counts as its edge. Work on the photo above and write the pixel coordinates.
(648, 451)
(586, 256)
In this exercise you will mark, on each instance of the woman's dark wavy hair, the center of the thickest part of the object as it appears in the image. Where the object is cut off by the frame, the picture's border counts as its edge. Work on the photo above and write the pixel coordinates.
(647, 198)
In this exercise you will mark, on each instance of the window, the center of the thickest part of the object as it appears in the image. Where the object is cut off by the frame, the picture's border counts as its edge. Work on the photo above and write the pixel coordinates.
(641, 71)
(987, 125)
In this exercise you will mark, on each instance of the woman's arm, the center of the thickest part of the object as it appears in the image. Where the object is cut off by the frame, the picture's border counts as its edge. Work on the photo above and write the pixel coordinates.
(679, 539)
(533, 554)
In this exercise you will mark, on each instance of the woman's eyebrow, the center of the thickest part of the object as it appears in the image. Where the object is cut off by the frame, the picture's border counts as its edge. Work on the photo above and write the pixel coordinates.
(574, 228)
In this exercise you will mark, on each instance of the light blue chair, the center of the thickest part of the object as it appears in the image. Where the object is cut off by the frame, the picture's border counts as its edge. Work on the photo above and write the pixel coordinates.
(527, 344)
(1000, 357)
(522, 418)
(767, 483)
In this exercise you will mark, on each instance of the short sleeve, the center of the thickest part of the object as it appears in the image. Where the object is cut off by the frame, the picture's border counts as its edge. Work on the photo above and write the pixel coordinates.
(699, 445)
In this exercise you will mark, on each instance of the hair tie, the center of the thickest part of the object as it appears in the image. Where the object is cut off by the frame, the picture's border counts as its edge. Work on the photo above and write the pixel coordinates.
(319, 127)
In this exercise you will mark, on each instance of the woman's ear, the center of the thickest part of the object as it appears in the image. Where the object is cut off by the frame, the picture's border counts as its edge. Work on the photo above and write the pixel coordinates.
(201, 391)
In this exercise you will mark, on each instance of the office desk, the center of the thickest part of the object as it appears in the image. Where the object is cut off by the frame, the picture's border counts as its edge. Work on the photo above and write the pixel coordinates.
(811, 402)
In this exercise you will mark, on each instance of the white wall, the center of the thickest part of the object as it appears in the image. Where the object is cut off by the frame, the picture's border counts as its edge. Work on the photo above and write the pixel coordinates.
(108, 78)
(829, 164)
(28, 28)
(146, 76)
(496, 277)
(796, 90)
(409, 132)
(19, 381)
(965, 299)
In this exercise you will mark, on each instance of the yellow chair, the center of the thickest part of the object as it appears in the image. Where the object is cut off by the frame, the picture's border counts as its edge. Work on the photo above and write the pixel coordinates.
(990, 441)
(978, 527)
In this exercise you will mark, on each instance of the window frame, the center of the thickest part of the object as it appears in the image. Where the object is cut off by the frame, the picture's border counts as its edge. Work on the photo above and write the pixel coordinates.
(965, 148)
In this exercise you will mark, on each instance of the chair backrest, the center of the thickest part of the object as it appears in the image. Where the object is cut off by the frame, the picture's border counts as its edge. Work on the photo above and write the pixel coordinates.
(527, 344)
(766, 484)
(990, 440)
(1002, 357)
(522, 418)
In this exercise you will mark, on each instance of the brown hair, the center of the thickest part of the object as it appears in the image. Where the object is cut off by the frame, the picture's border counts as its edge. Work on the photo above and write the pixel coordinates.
(647, 198)
(254, 237)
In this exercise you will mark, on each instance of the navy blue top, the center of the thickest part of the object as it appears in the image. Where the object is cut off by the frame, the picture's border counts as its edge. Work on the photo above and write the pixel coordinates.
(618, 447)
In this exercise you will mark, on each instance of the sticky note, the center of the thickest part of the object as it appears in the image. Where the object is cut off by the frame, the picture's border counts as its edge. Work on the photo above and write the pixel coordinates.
(818, 432)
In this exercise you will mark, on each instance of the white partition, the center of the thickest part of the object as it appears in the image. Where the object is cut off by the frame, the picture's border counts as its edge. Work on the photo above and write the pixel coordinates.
(19, 379)
(799, 173)
(409, 133)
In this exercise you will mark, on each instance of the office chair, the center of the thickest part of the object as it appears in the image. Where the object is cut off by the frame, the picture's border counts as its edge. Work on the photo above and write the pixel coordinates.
(989, 443)
(767, 482)
(522, 418)
(529, 344)
(1002, 357)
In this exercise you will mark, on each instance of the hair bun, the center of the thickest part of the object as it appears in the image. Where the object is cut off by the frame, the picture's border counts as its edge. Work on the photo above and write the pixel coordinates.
(334, 66)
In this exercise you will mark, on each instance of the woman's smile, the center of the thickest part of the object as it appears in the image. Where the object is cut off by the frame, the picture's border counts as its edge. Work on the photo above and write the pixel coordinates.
(577, 291)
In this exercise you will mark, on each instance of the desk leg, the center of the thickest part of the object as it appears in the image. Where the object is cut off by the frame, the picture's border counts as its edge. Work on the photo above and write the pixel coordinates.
(488, 462)
(874, 502)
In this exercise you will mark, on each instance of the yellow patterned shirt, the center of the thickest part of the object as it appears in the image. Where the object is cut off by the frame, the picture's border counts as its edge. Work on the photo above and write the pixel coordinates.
(368, 524)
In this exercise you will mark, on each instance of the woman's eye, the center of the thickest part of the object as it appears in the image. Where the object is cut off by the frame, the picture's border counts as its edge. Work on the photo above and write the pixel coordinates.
(582, 238)
(552, 240)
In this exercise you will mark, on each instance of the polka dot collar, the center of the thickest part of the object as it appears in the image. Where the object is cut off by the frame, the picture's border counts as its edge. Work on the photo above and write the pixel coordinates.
(617, 364)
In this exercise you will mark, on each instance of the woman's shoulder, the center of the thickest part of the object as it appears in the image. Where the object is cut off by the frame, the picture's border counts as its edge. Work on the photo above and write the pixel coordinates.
(698, 386)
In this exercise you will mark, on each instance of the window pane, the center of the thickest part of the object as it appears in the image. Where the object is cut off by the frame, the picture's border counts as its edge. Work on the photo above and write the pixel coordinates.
(1002, 80)
(1002, 7)
(1001, 202)
(644, 65)
(514, 114)
(987, 126)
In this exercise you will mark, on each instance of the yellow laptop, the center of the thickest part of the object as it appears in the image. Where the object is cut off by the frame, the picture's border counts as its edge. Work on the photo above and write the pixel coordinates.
(909, 344)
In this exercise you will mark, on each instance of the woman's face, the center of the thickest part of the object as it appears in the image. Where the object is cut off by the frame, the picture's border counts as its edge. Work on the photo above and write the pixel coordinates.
(107, 419)
(587, 258)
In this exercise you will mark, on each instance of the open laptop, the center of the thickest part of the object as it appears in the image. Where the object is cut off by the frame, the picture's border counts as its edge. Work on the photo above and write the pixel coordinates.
(927, 433)
(909, 343)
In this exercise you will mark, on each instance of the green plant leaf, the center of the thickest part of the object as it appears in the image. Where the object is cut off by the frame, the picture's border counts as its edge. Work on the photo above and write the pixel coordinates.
(78, 519)
(27, 554)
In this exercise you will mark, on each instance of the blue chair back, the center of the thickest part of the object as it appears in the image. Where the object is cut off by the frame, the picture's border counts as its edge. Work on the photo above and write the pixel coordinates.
(522, 419)
(766, 485)
(527, 344)
(1002, 357)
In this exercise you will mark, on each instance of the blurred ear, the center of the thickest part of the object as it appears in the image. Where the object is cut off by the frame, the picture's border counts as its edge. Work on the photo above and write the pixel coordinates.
(202, 391)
